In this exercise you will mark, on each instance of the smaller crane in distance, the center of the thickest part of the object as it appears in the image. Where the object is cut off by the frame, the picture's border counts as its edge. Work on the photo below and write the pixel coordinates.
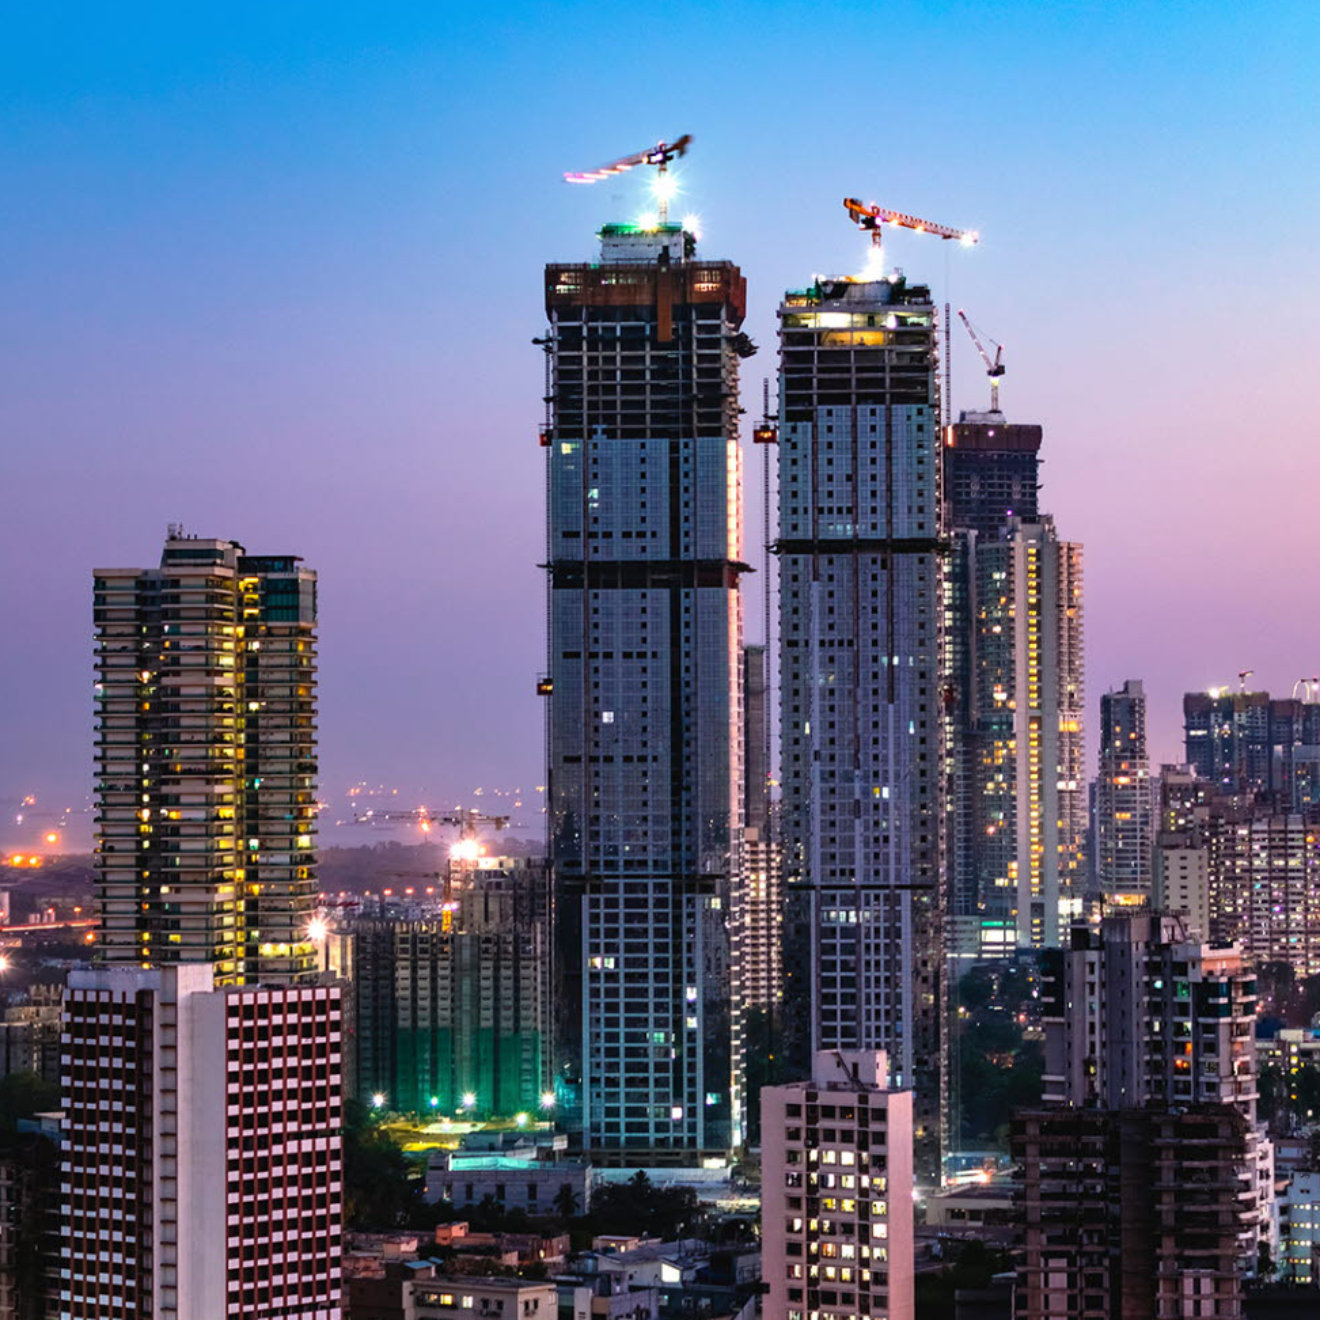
(659, 155)
(994, 367)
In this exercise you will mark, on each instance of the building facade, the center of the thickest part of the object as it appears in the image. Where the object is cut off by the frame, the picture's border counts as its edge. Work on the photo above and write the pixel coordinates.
(206, 761)
(862, 553)
(1263, 870)
(991, 472)
(836, 1198)
(760, 902)
(645, 727)
(1250, 742)
(1138, 1213)
(201, 1158)
(1141, 1012)
(1147, 1183)
(1124, 823)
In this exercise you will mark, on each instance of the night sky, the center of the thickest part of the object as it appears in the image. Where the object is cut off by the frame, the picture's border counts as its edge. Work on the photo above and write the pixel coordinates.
(272, 271)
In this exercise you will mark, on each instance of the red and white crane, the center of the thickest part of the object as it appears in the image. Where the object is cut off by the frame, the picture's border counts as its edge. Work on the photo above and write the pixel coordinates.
(659, 155)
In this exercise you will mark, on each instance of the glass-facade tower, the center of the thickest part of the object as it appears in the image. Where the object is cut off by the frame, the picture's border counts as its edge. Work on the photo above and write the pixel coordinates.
(862, 552)
(644, 682)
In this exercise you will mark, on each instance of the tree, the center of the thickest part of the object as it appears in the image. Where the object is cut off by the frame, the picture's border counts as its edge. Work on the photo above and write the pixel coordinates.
(23, 1095)
(379, 1192)
(566, 1202)
(638, 1207)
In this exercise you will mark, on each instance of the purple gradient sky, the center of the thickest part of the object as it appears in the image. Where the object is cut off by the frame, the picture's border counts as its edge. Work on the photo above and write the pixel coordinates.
(272, 271)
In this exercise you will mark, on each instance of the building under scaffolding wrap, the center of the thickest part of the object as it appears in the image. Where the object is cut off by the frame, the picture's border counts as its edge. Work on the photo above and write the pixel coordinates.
(645, 729)
(862, 555)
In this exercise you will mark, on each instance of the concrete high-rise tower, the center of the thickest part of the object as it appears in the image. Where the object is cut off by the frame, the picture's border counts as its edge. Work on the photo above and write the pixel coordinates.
(862, 550)
(1124, 822)
(645, 689)
(206, 761)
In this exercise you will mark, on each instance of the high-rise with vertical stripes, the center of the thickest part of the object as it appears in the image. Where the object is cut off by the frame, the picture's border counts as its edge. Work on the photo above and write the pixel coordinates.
(862, 552)
(644, 683)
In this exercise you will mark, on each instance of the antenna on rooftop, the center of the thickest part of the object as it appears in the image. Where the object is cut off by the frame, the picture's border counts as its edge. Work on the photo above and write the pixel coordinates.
(659, 155)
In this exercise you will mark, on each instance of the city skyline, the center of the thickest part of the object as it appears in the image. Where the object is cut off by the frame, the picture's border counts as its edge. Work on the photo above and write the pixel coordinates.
(245, 239)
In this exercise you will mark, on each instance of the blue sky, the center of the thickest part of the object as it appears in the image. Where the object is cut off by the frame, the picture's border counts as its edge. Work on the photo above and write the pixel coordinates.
(273, 270)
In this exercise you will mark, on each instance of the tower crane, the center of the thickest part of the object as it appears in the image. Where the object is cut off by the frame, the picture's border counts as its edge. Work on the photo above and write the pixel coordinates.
(659, 155)
(869, 216)
(994, 367)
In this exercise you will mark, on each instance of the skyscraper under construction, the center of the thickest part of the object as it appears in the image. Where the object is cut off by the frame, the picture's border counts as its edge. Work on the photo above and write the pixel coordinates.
(644, 684)
(861, 547)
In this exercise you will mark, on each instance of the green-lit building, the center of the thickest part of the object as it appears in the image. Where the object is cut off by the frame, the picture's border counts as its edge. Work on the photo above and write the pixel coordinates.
(451, 1006)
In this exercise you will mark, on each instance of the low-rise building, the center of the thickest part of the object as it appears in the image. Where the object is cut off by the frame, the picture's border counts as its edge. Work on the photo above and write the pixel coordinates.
(461, 1298)
(516, 1179)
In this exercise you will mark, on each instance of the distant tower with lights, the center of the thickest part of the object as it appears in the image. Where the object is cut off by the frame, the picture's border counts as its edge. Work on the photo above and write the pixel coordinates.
(1124, 822)
(206, 761)
(644, 682)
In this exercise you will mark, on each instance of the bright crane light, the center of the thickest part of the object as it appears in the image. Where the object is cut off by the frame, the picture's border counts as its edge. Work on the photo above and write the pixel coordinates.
(664, 186)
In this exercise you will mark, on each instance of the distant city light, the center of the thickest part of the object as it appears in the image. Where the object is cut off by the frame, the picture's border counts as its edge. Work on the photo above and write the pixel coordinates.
(547, 1099)
(520, 1119)
(465, 850)
(378, 1100)
(317, 930)
(469, 1099)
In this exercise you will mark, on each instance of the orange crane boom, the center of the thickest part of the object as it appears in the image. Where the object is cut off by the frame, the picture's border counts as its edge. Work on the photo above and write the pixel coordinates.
(869, 216)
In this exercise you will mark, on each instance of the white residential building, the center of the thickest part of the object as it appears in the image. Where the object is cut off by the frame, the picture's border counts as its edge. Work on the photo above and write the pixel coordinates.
(836, 1198)
(201, 1163)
